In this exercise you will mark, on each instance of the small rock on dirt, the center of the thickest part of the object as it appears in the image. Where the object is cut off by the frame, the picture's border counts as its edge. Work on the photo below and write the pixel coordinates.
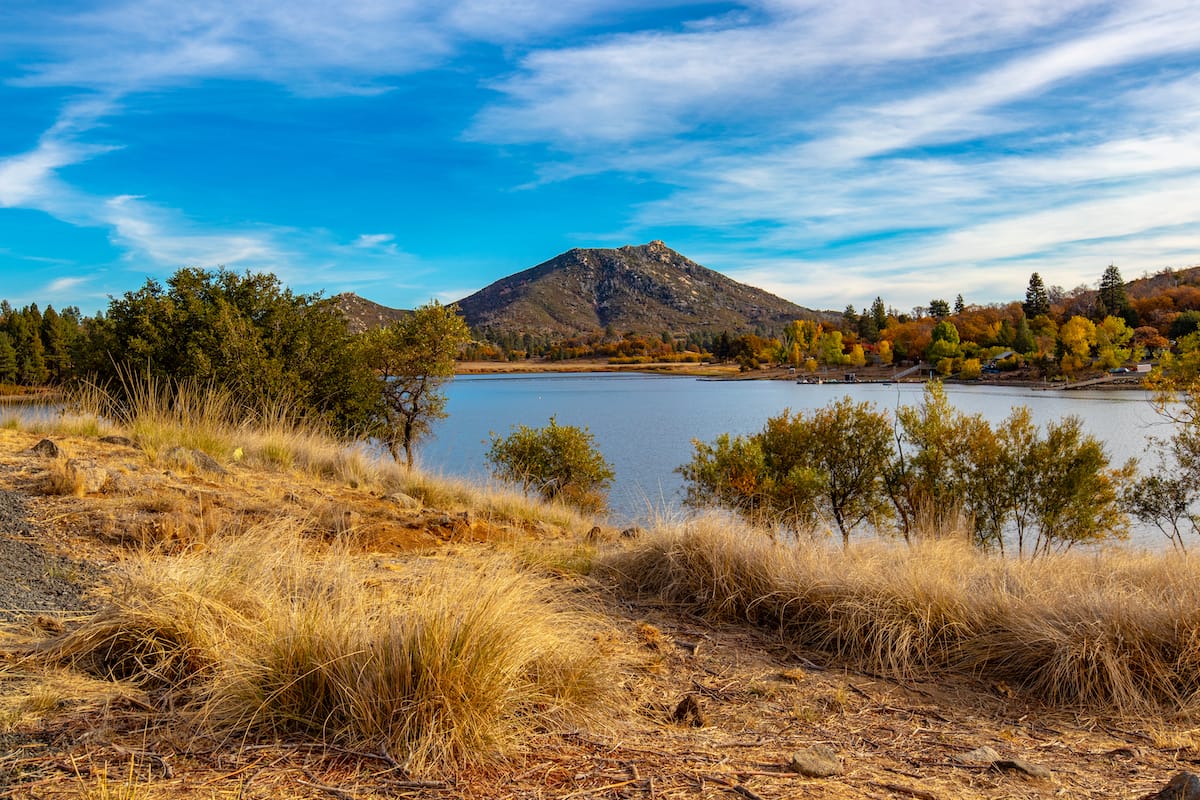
(979, 757)
(1022, 766)
(405, 501)
(632, 533)
(196, 459)
(122, 441)
(1184, 786)
(93, 478)
(46, 448)
(690, 712)
(817, 761)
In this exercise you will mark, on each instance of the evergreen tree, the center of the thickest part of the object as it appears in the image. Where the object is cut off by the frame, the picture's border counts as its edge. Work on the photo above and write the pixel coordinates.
(879, 314)
(32, 371)
(1112, 299)
(959, 305)
(1023, 341)
(939, 309)
(8, 359)
(1037, 300)
(57, 334)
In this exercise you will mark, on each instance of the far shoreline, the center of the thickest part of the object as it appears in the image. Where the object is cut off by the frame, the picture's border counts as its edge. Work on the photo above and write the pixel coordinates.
(1093, 380)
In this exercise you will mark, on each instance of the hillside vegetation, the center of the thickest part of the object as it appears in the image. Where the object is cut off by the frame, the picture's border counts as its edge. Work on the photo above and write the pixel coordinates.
(291, 618)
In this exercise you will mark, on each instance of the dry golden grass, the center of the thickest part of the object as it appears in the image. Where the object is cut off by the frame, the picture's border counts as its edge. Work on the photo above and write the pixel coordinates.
(260, 636)
(62, 478)
(1112, 630)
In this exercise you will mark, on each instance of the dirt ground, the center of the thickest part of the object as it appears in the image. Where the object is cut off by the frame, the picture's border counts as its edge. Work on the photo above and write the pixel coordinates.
(704, 711)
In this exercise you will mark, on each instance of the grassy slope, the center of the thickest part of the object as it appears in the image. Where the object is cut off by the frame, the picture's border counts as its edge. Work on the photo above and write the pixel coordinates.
(289, 625)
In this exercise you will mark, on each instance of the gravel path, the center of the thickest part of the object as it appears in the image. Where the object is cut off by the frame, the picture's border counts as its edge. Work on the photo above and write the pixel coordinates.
(32, 580)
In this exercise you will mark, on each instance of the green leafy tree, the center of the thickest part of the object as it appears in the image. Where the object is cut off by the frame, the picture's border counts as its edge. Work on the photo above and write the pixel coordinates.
(1077, 498)
(944, 342)
(1037, 299)
(412, 358)
(559, 462)
(1047, 491)
(1023, 341)
(830, 349)
(243, 332)
(1169, 496)
(800, 468)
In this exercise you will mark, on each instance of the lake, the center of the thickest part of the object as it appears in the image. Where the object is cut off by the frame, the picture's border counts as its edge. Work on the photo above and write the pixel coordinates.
(644, 424)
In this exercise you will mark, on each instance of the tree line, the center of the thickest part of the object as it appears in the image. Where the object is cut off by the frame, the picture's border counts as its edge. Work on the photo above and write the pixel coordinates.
(247, 333)
(1053, 332)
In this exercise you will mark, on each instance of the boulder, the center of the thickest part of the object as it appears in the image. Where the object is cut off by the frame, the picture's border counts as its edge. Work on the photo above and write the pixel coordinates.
(91, 477)
(817, 761)
(405, 501)
(194, 459)
(1184, 786)
(46, 448)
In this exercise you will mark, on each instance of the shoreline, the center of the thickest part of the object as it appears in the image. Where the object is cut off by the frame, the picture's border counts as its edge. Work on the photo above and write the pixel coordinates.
(729, 372)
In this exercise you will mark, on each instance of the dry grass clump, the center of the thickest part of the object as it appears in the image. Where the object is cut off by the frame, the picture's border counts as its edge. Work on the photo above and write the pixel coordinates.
(1113, 630)
(63, 479)
(257, 636)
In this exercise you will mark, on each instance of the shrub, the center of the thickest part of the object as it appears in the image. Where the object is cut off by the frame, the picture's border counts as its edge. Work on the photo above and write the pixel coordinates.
(559, 462)
(827, 464)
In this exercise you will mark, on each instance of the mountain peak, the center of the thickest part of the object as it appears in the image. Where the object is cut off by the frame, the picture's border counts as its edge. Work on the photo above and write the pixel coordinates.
(646, 288)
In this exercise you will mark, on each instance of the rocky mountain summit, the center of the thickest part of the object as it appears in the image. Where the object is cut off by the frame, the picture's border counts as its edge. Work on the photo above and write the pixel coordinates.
(648, 289)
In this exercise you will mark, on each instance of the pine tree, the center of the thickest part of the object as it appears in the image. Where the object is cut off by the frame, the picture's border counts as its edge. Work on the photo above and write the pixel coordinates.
(8, 359)
(1037, 300)
(959, 305)
(1111, 299)
(879, 314)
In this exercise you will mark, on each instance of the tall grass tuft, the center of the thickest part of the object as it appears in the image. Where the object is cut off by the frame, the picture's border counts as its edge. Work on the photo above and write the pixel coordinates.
(1115, 630)
(257, 636)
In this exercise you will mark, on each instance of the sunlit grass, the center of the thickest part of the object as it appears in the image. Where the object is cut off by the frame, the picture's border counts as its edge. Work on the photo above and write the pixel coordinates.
(259, 636)
(1114, 630)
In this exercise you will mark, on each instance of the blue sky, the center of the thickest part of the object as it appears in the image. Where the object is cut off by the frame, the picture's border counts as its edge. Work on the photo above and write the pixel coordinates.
(828, 152)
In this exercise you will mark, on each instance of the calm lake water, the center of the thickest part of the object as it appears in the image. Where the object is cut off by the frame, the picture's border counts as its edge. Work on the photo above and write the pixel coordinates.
(645, 424)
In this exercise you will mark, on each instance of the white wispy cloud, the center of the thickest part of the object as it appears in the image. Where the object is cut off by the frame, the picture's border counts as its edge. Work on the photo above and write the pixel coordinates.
(900, 145)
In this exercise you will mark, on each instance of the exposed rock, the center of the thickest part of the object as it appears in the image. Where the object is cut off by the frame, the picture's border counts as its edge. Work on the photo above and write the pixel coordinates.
(194, 459)
(1184, 786)
(91, 477)
(817, 761)
(690, 712)
(1022, 766)
(979, 757)
(632, 533)
(46, 448)
(405, 501)
(122, 441)
(647, 288)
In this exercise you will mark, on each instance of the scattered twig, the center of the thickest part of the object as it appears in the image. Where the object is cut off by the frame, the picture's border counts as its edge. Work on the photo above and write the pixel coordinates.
(313, 783)
(736, 788)
(905, 790)
(604, 788)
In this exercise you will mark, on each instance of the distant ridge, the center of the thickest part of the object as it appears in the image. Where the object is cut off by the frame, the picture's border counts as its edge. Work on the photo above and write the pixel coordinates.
(363, 315)
(646, 289)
